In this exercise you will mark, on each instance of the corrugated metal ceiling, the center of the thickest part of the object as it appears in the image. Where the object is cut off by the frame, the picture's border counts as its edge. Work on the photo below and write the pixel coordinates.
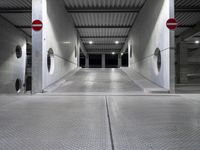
(15, 3)
(103, 40)
(104, 46)
(106, 36)
(17, 19)
(103, 32)
(188, 18)
(21, 19)
(103, 3)
(187, 3)
(86, 19)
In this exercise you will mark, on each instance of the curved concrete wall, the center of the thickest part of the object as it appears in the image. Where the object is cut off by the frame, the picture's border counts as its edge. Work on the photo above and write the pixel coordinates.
(148, 34)
(11, 68)
(58, 34)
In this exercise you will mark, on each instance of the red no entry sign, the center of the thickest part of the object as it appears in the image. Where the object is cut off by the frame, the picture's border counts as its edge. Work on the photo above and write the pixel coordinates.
(37, 25)
(172, 23)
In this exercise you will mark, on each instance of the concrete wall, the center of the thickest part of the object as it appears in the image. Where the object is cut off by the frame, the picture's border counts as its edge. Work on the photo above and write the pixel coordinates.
(59, 34)
(148, 34)
(11, 68)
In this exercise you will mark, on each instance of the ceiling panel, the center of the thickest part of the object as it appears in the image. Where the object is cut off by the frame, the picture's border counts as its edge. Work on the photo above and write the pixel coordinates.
(103, 32)
(101, 19)
(187, 18)
(103, 40)
(17, 19)
(94, 46)
(15, 3)
(21, 19)
(187, 3)
(104, 3)
(116, 19)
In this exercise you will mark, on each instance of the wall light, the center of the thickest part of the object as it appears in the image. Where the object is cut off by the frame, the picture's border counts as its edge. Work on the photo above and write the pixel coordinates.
(90, 42)
(197, 42)
(122, 54)
(113, 53)
(116, 42)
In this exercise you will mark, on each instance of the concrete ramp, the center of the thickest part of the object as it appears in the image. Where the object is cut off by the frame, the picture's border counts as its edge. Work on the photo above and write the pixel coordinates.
(143, 83)
(97, 82)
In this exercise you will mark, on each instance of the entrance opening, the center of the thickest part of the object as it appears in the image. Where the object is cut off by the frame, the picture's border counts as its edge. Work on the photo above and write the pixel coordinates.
(28, 74)
(82, 60)
(125, 59)
(95, 61)
(111, 61)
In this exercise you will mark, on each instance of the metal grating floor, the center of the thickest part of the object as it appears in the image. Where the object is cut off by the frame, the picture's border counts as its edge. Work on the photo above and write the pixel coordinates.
(54, 123)
(155, 123)
(100, 122)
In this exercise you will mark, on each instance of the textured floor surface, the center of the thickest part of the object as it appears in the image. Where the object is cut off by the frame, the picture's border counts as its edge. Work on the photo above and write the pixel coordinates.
(98, 80)
(45, 123)
(100, 122)
(62, 122)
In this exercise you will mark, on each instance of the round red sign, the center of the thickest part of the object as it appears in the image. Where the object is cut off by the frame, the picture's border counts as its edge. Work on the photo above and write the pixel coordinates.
(37, 25)
(172, 23)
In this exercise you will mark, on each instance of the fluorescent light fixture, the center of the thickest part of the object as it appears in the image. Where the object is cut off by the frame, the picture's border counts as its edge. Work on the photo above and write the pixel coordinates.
(116, 42)
(90, 42)
(197, 42)
(113, 53)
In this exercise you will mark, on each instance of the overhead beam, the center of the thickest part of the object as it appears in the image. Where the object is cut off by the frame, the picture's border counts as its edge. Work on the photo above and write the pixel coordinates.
(23, 27)
(121, 43)
(124, 10)
(89, 37)
(83, 27)
(15, 10)
(103, 52)
(186, 26)
(103, 10)
(187, 9)
(83, 49)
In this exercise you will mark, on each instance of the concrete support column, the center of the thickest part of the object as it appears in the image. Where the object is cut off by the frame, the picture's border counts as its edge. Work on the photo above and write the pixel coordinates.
(103, 61)
(87, 62)
(37, 49)
(119, 61)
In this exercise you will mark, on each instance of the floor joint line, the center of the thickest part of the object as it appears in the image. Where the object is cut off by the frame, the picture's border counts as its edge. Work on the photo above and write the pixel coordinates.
(109, 124)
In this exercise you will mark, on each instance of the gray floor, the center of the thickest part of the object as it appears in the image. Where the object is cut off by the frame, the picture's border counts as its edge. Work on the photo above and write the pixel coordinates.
(105, 122)
(98, 80)
(99, 122)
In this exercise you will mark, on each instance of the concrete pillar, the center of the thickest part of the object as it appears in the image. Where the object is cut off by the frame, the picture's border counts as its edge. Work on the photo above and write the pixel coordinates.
(37, 49)
(119, 61)
(87, 62)
(103, 61)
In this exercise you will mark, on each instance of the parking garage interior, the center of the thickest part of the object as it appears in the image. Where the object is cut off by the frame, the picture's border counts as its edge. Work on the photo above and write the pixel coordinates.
(99, 74)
